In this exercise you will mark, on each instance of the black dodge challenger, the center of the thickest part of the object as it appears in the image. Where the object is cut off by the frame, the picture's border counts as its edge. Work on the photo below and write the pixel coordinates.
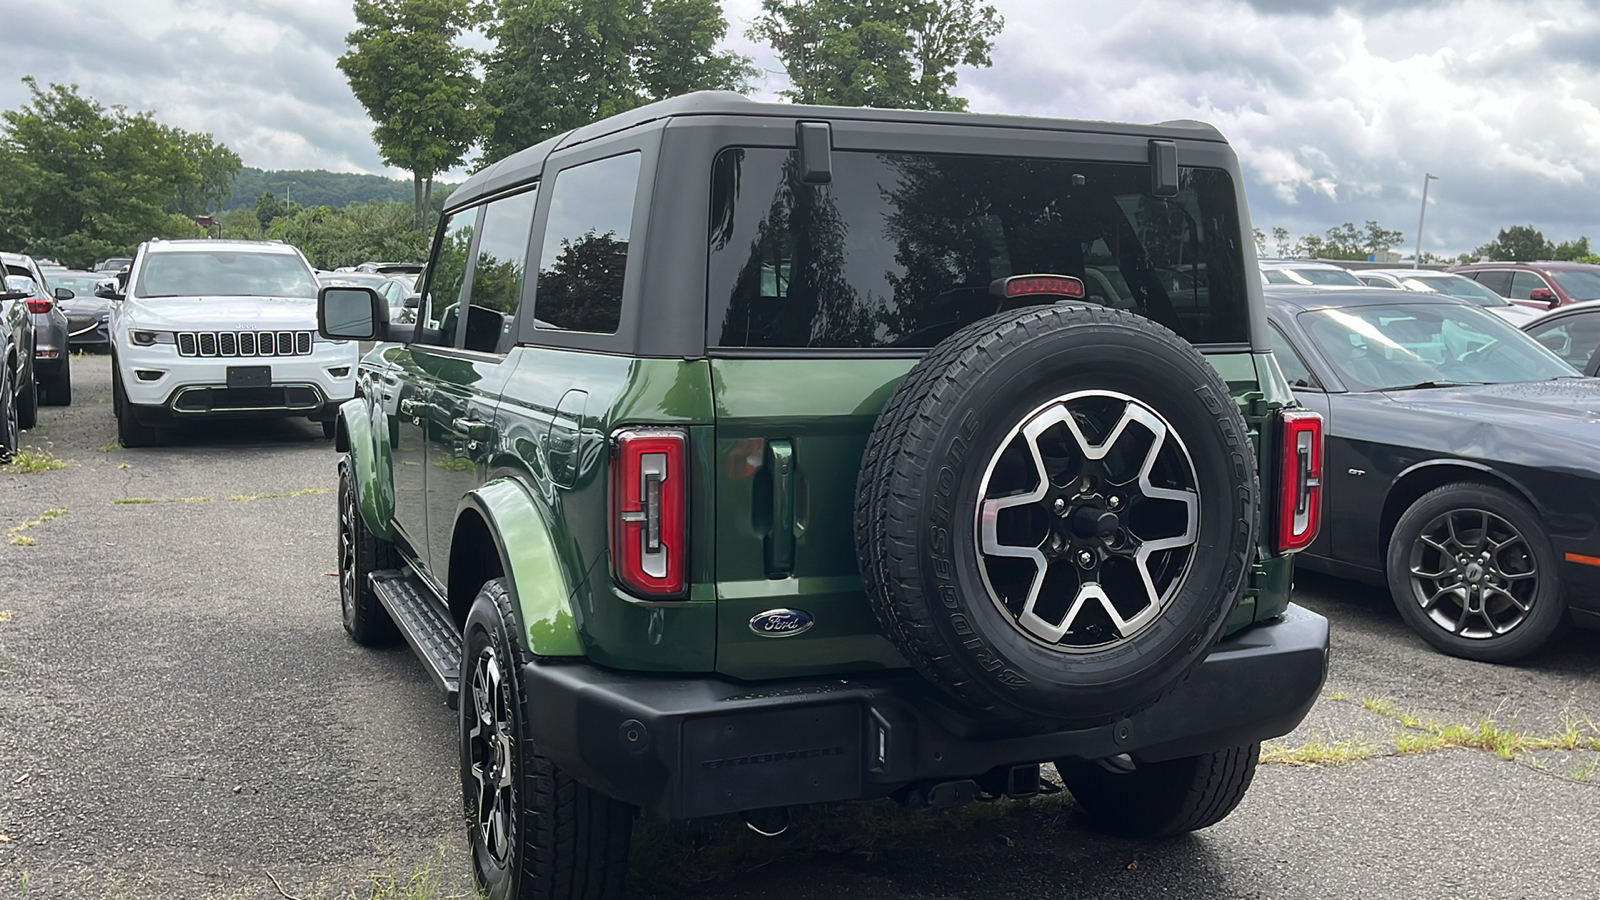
(1462, 469)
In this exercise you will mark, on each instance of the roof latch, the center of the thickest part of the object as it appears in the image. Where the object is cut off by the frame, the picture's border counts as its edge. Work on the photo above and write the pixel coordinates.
(815, 140)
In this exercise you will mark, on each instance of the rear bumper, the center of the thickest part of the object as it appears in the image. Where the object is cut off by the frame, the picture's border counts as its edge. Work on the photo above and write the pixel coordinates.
(684, 747)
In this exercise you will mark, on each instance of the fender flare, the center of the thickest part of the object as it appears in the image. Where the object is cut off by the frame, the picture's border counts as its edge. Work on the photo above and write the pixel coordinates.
(540, 586)
(374, 491)
(1442, 461)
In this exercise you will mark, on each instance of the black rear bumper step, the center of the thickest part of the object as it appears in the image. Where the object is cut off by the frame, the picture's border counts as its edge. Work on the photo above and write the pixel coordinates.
(426, 625)
(690, 746)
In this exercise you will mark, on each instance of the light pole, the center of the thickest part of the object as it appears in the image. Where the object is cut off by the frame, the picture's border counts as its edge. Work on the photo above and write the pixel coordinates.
(1416, 261)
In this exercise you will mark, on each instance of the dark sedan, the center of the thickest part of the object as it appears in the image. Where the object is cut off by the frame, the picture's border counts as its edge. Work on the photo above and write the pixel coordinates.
(1573, 333)
(1461, 464)
(87, 315)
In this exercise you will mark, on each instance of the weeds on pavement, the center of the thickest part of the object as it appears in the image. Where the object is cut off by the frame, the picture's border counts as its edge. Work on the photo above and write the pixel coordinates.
(15, 537)
(30, 460)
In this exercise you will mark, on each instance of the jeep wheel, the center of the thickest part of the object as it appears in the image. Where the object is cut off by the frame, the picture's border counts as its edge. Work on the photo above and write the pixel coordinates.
(1471, 571)
(130, 431)
(1056, 512)
(10, 430)
(360, 554)
(1161, 799)
(536, 834)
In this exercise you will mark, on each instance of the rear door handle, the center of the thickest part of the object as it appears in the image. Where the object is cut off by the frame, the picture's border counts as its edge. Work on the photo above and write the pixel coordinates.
(780, 541)
(475, 430)
(410, 407)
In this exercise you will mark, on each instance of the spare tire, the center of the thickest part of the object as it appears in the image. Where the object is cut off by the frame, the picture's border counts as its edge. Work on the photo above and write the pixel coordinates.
(1056, 512)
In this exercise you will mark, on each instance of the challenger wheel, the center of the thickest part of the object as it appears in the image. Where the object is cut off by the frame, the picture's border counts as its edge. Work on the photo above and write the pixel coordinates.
(1056, 512)
(1471, 571)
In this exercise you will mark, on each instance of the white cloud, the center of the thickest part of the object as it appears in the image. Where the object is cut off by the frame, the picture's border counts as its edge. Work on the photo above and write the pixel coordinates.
(1336, 107)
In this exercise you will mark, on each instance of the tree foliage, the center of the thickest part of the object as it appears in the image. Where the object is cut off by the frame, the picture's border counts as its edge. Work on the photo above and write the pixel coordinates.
(1524, 243)
(880, 53)
(319, 187)
(83, 182)
(559, 64)
(418, 85)
(380, 230)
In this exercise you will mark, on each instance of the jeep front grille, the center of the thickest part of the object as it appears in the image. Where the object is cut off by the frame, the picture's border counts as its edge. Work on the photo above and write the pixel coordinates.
(244, 343)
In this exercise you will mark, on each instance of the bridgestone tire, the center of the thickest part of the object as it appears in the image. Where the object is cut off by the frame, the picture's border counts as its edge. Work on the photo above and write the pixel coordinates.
(360, 553)
(1524, 549)
(58, 390)
(918, 497)
(562, 841)
(1162, 799)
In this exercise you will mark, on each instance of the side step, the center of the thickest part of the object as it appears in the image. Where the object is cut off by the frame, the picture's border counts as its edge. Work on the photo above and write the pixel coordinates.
(426, 625)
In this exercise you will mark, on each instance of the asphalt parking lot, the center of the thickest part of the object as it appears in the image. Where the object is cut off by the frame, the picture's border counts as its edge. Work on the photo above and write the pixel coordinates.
(181, 715)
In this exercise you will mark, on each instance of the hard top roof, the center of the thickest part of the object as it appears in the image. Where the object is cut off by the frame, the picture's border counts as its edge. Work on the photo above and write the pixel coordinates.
(1300, 297)
(525, 164)
(201, 244)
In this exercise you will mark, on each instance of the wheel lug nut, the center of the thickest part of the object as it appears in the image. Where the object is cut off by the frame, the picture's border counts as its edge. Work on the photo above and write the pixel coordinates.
(1085, 558)
(1060, 506)
(1114, 501)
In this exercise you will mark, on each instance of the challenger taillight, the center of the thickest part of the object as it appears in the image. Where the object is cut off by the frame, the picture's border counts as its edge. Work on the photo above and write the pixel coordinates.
(40, 305)
(1299, 479)
(649, 510)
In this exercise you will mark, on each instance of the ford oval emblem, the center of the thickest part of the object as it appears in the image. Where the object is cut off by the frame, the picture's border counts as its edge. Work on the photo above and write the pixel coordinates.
(781, 623)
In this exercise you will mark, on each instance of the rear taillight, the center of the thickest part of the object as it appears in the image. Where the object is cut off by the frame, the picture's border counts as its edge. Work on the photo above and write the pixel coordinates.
(649, 531)
(40, 305)
(1299, 479)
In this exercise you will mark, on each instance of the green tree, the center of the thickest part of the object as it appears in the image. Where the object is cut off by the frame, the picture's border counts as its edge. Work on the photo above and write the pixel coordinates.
(1519, 243)
(881, 53)
(1261, 242)
(559, 64)
(1380, 239)
(1574, 251)
(215, 166)
(330, 238)
(82, 181)
(417, 84)
(269, 208)
(1280, 239)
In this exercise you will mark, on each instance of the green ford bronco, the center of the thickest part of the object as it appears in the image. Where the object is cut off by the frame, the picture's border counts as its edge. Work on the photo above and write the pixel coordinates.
(745, 455)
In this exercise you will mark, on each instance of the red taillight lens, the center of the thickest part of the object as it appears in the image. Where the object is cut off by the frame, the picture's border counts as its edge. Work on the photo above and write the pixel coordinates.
(40, 305)
(649, 531)
(1032, 285)
(1299, 479)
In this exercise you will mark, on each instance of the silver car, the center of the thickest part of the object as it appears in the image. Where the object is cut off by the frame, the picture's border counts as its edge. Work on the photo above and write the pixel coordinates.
(52, 357)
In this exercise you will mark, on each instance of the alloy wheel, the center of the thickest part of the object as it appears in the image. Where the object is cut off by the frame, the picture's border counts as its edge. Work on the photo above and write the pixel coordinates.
(347, 550)
(491, 748)
(1088, 516)
(1473, 573)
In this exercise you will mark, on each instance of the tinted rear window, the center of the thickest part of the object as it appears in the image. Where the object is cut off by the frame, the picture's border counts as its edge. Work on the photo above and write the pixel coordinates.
(900, 250)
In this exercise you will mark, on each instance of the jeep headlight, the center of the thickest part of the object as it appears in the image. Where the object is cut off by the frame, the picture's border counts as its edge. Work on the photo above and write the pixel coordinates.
(145, 338)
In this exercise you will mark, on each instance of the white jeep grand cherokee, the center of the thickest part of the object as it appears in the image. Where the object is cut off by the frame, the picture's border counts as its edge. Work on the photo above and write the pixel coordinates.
(211, 328)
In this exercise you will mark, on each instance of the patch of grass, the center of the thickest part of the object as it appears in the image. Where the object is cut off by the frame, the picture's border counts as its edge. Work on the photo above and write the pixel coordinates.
(456, 464)
(127, 501)
(190, 500)
(15, 536)
(1584, 773)
(29, 460)
(1385, 707)
(1418, 742)
(1510, 743)
(112, 447)
(1318, 752)
(1336, 696)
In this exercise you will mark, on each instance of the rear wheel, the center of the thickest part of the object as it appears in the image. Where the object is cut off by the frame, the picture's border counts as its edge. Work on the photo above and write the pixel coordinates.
(10, 431)
(1472, 572)
(58, 387)
(536, 834)
(360, 554)
(1161, 799)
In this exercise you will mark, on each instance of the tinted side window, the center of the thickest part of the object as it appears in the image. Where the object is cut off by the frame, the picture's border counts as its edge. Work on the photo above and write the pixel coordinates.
(1498, 281)
(1523, 283)
(497, 274)
(585, 254)
(447, 276)
(1573, 338)
(900, 250)
(1294, 368)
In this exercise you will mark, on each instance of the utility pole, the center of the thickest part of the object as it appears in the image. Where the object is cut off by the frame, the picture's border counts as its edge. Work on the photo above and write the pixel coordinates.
(1416, 261)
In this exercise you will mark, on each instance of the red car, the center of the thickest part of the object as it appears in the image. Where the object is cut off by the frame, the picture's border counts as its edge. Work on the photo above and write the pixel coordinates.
(1541, 285)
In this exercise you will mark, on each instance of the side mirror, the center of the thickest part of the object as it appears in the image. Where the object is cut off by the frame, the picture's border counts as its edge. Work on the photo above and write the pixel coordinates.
(64, 293)
(352, 314)
(413, 301)
(1544, 295)
(107, 290)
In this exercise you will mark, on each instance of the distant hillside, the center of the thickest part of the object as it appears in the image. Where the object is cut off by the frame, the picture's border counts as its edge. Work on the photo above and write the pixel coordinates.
(317, 187)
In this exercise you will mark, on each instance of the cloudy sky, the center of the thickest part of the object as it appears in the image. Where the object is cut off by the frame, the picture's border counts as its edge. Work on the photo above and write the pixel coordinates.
(1337, 109)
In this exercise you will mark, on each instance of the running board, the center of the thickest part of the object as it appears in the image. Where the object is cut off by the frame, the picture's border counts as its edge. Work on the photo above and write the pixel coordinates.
(426, 625)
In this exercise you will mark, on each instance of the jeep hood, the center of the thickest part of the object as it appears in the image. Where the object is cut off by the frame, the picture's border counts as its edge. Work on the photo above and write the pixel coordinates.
(223, 313)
